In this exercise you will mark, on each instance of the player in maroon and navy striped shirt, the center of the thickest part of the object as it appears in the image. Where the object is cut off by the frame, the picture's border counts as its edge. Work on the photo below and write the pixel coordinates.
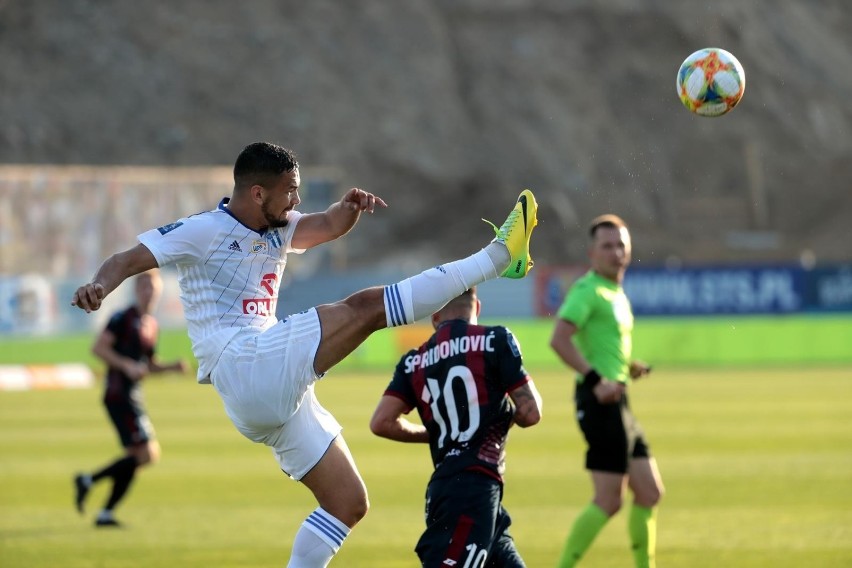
(469, 386)
(127, 346)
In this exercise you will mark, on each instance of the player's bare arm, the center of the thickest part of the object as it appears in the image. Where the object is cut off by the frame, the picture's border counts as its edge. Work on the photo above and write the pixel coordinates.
(115, 270)
(528, 405)
(388, 422)
(317, 228)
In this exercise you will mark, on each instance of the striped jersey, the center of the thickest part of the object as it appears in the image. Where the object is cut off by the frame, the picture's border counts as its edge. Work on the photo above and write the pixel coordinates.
(459, 382)
(229, 276)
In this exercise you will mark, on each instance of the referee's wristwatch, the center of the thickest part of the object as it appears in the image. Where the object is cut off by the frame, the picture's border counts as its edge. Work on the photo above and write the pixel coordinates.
(591, 378)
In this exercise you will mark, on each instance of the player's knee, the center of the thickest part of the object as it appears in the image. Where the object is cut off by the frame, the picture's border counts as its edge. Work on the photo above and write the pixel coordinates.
(356, 509)
(153, 458)
(363, 507)
(657, 494)
(147, 454)
(650, 496)
(610, 504)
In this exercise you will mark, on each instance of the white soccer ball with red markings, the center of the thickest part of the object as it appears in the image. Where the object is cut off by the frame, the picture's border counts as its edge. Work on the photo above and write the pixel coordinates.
(710, 82)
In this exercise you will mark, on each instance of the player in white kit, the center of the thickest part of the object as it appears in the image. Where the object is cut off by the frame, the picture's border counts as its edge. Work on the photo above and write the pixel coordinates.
(230, 262)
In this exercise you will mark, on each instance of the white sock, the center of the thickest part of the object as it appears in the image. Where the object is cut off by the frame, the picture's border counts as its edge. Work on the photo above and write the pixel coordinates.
(318, 540)
(422, 295)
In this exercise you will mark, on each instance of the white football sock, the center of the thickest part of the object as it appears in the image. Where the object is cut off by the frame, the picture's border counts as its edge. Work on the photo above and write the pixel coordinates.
(422, 295)
(317, 541)
(498, 252)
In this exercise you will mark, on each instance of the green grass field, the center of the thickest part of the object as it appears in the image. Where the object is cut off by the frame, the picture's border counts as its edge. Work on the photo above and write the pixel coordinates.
(757, 467)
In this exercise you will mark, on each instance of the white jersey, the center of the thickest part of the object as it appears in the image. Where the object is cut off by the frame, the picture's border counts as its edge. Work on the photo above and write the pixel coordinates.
(229, 276)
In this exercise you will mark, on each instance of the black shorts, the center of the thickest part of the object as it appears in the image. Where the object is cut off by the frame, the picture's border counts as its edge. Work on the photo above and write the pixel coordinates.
(132, 424)
(466, 525)
(612, 433)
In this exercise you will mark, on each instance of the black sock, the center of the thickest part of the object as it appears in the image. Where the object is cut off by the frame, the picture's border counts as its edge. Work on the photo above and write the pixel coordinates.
(111, 469)
(122, 472)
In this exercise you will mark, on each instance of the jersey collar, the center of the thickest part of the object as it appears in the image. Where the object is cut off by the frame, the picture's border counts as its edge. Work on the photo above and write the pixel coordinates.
(222, 207)
(605, 281)
(447, 322)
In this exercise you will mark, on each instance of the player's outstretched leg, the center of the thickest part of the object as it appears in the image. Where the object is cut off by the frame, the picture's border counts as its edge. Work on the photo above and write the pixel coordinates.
(346, 324)
(508, 255)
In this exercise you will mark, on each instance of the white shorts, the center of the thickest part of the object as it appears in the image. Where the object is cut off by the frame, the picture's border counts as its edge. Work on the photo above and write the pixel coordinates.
(266, 381)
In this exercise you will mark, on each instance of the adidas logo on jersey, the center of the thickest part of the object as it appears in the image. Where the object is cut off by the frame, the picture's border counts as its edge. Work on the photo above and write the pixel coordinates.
(235, 246)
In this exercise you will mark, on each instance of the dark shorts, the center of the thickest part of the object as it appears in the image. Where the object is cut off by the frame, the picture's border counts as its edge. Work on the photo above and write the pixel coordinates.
(466, 525)
(612, 433)
(132, 424)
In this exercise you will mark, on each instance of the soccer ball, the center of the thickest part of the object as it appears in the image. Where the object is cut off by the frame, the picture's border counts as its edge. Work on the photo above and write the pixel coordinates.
(710, 82)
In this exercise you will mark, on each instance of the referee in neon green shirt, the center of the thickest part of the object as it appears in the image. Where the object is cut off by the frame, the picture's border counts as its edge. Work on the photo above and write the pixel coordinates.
(593, 337)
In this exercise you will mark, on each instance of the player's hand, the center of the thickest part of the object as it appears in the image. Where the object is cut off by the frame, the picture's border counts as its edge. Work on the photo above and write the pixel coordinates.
(136, 370)
(181, 366)
(639, 369)
(360, 200)
(89, 297)
(608, 392)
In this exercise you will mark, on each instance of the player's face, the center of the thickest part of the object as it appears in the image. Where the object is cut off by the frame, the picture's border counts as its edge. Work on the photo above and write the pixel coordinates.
(280, 199)
(610, 252)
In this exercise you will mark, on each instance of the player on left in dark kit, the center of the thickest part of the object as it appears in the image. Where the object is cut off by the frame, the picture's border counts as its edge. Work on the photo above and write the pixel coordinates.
(127, 347)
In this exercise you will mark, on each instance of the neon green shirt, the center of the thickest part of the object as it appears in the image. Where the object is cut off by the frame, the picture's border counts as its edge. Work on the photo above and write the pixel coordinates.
(604, 319)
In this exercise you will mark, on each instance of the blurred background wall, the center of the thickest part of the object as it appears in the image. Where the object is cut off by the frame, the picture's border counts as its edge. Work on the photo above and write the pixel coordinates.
(121, 116)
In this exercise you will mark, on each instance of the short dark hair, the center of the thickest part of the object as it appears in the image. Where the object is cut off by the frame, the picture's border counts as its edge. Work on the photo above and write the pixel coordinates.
(464, 300)
(261, 163)
(609, 221)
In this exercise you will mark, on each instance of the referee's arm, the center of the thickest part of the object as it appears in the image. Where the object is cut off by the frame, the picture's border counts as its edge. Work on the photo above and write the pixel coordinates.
(606, 391)
(562, 343)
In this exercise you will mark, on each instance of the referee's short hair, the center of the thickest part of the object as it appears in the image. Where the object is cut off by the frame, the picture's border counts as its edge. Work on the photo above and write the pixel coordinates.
(609, 221)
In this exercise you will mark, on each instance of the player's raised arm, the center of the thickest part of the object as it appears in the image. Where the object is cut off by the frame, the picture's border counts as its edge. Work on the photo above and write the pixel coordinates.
(115, 270)
(317, 228)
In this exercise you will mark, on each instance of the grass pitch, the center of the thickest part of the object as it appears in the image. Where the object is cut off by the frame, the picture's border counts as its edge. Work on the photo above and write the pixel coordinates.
(757, 466)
